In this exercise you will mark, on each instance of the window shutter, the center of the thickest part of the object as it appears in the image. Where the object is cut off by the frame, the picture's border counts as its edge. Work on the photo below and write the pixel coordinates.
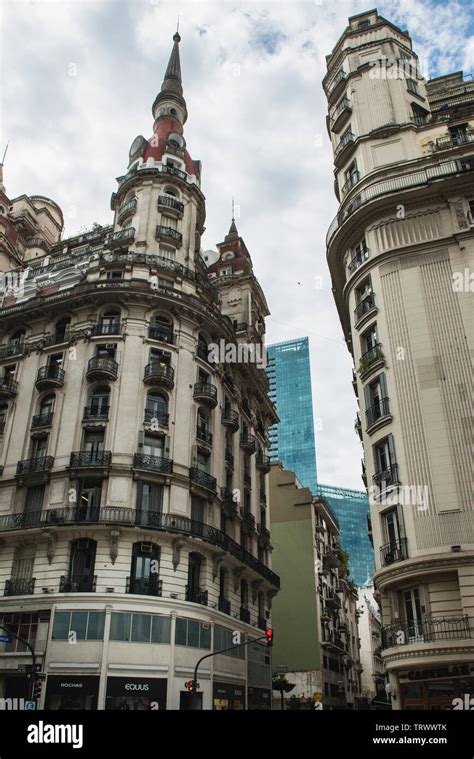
(367, 397)
(167, 446)
(383, 385)
(391, 449)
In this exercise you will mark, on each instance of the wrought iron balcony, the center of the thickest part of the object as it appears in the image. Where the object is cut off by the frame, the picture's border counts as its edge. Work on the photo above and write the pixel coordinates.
(42, 420)
(161, 418)
(203, 479)
(332, 599)
(426, 630)
(248, 521)
(107, 328)
(19, 586)
(204, 435)
(224, 605)
(96, 413)
(174, 172)
(263, 536)
(100, 368)
(15, 348)
(379, 410)
(120, 237)
(90, 459)
(336, 83)
(340, 114)
(144, 586)
(62, 337)
(196, 595)
(126, 210)
(49, 377)
(153, 520)
(350, 182)
(347, 141)
(387, 476)
(77, 584)
(169, 233)
(248, 442)
(244, 614)
(263, 462)
(261, 623)
(371, 359)
(206, 393)
(159, 374)
(393, 552)
(35, 465)
(230, 419)
(229, 505)
(365, 306)
(202, 352)
(170, 202)
(164, 335)
(358, 260)
(152, 463)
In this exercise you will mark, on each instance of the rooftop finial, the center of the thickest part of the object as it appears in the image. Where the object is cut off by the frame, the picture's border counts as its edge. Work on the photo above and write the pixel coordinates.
(233, 209)
(176, 35)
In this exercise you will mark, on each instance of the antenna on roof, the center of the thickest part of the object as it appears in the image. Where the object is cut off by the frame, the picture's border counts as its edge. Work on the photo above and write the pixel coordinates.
(3, 158)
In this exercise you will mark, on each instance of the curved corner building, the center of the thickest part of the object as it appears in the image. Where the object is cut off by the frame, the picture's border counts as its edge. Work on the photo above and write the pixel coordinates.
(400, 252)
(134, 533)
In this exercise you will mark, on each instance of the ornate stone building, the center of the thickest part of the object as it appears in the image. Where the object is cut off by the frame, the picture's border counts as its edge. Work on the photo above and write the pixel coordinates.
(133, 489)
(400, 252)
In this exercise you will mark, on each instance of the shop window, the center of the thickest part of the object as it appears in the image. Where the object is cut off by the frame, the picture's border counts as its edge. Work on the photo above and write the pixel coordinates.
(86, 625)
(190, 632)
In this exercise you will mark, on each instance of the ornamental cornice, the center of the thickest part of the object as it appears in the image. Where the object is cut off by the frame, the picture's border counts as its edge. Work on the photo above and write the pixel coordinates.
(437, 651)
(384, 577)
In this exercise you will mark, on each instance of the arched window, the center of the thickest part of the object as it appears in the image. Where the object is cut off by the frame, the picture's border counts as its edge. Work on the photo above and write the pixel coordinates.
(98, 406)
(17, 337)
(81, 567)
(156, 408)
(171, 191)
(161, 328)
(144, 575)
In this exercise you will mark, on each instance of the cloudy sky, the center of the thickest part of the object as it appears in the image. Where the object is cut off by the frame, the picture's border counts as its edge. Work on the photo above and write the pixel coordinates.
(78, 79)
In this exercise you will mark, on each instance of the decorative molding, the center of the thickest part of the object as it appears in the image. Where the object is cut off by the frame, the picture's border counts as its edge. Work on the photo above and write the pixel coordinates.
(255, 585)
(50, 538)
(177, 545)
(237, 574)
(403, 568)
(270, 596)
(114, 541)
(216, 563)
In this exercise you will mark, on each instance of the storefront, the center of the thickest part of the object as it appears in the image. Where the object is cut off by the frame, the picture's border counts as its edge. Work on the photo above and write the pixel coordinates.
(136, 694)
(71, 693)
(259, 699)
(442, 688)
(228, 697)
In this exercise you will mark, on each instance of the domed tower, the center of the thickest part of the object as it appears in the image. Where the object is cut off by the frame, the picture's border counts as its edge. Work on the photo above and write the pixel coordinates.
(134, 514)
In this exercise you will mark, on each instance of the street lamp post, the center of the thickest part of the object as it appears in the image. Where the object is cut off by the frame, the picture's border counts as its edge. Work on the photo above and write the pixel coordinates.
(33, 656)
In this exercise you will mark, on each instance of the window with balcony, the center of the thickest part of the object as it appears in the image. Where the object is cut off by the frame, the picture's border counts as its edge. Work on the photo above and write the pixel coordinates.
(202, 349)
(33, 505)
(93, 444)
(203, 429)
(156, 410)
(98, 403)
(22, 581)
(459, 134)
(109, 323)
(386, 469)
(149, 502)
(3, 417)
(161, 328)
(198, 514)
(80, 578)
(351, 177)
(144, 572)
(360, 254)
(376, 400)
(365, 299)
(194, 592)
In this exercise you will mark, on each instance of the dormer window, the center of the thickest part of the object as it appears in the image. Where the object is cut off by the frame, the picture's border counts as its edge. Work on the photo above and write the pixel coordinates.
(226, 271)
(363, 24)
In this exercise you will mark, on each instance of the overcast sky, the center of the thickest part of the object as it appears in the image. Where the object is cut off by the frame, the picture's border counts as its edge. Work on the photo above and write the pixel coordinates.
(77, 83)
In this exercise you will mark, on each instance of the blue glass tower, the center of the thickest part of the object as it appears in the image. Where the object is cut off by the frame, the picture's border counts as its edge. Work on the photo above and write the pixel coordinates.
(292, 442)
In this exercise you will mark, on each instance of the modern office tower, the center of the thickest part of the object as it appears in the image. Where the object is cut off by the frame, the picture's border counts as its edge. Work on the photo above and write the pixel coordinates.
(134, 532)
(316, 644)
(292, 439)
(351, 508)
(289, 376)
(400, 252)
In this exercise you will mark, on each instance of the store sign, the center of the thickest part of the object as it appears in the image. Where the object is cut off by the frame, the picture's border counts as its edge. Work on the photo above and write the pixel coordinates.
(464, 670)
(137, 686)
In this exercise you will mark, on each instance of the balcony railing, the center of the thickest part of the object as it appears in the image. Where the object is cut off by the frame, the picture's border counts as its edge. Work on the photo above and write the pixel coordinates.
(19, 586)
(157, 333)
(42, 420)
(347, 139)
(98, 368)
(196, 595)
(107, 328)
(97, 413)
(8, 387)
(174, 172)
(340, 77)
(426, 630)
(387, 476)
(77, 584)
(126, 209)
(202, 478)
(393, 552)
(263, 462)
(248, 521)
(380, 409)
(230, 507)
(343, 105)
(121, 236)
(34, 465)
(370, 358)
(155, 520)
(244, 614)
(153, 463)
(62, 337)
(248, 442)
(351, 181)
(169, 232)
(224, 605)
(153, 416)
(50, 375)
(160, 374)
(144, 586)
(358, 260)
(90, 458)
(170, 202)
(365, 305)
(15, 348)
(205, 392)
(230, 418)
(204, 435)
(452, 140)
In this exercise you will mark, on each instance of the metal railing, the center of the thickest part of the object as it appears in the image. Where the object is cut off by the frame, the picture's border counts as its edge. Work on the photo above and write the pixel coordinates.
(63, 337)
(126, 209)
(159, 372)
(379, 409)
(358, 260)
(244, 614)
(77, 584)
(263, 462)
(15, 348)
(8, 385)
(107, 328)
(38, 464)
(387, 476)
(204, 434)
(196, 595)
(342, 106)
(19, 586)
(158, 333)
(100, 413)
(170, 202)
(365, 305)
(247, 441)
(205, 390)
(426, 630)
(152, 463)
(42, 420)
(50, 372)
(347, 139)
(103, 365)
(202, 478)
(172, 234)
(230, 418)
(340, 76)
(224, 605)
(174, 172)
(393, 552)
(153, 415)
(144, 586)
(90, 458)
(122, 234)
(351, 181)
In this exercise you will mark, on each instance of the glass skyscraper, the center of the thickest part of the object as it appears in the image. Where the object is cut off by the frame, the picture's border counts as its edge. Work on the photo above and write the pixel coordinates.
(292, 442)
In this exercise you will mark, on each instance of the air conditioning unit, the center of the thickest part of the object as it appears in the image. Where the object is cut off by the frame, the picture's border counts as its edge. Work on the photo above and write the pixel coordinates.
(146, 548)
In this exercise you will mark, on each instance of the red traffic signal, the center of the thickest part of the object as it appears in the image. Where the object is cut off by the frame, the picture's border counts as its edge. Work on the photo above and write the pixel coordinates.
(269, 637)
(37, 688)
(189, 685)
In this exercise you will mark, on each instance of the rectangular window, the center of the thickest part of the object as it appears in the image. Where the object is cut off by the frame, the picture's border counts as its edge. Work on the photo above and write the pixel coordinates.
(160, 629)
(86, 625)
(223, 639)
(141, 628)
(120, 626)
(190, 632)
(412, 86)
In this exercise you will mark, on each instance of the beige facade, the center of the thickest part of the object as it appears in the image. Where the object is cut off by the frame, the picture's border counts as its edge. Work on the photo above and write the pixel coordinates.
(134, 467)
(400, 252)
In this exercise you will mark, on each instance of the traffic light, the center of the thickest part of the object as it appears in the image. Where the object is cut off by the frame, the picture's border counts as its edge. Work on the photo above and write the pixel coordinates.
(189, 685)
(269, 637)
(37, 690)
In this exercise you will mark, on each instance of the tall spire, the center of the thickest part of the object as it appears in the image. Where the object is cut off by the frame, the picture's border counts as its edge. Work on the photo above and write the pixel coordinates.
(172, 81)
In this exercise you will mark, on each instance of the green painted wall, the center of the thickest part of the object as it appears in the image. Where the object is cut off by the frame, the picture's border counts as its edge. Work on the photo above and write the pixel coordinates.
(294, 607)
